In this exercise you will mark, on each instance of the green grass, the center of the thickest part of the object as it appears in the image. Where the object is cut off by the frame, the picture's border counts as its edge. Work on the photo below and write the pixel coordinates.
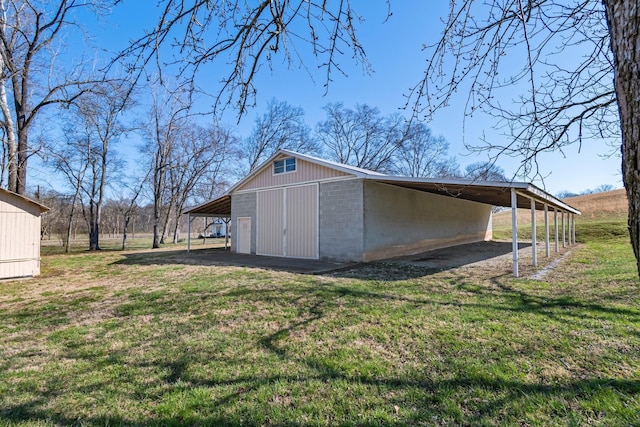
(98, 341)
(55, 246)
(587, 229)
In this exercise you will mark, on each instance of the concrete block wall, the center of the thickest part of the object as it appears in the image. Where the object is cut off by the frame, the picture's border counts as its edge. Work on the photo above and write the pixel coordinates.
(341, 221)
(243, 205)
(400, 221)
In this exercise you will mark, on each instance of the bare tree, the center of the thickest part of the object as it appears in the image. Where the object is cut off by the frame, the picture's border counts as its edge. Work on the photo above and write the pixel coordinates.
(485, 171)
(30, 76)
(131, 207)
(423, 154)
(622, 19)
(200, 156)
(361, 137)
(247, 35)
(72, 159)
(87, 158)
(215, 179)
(169, 117)
(577, 78)
(281, 126)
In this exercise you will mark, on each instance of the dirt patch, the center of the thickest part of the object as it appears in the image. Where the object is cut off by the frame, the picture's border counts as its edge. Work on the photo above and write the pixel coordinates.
(542, 273)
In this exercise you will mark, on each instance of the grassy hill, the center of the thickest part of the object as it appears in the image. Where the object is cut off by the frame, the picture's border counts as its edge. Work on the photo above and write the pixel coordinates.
(602, 213)
(138, 339)
(608, 204)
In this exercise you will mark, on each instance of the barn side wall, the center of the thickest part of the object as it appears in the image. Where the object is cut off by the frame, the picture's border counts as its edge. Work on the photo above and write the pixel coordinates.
(341, 221)
(19, 238)
(243, 205)
(399, 221)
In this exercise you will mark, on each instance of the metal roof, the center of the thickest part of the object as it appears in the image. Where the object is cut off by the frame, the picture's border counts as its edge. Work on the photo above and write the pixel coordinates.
(218, 207)
(488, 192)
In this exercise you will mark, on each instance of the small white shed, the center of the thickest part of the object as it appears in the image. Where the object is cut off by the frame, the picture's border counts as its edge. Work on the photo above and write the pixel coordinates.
(20, 220)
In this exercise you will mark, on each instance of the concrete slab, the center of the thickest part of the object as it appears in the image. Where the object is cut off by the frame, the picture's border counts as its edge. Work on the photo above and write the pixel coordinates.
(486, 253)
(220, 256)
(461, 255)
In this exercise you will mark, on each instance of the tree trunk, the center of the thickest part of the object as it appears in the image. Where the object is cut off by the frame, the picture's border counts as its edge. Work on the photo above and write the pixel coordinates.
(67, 243)
(623, 19)
(165, 228)
(176, 232)
(94, 227)
(12, 146)
(156, 236)
(124, 232)
(23, 155)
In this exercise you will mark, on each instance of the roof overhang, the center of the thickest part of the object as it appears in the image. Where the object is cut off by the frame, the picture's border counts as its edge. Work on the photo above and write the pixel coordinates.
(490, 193)
(220, 207)
(40, 206)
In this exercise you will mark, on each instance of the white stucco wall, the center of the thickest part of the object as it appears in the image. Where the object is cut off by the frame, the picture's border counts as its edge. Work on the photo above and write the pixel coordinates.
(399, 221)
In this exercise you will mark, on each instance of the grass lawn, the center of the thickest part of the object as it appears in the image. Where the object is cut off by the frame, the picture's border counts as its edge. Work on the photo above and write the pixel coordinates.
(100, 339)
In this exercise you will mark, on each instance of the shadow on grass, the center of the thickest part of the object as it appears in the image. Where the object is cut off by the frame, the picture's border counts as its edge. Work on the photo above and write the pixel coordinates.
(482, 399)
(461, 395)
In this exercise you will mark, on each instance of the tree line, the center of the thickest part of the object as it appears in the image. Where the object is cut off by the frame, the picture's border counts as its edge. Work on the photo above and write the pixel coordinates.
(183, 162)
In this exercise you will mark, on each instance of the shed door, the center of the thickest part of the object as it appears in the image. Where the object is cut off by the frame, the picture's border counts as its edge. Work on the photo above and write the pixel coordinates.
(270, 222)
(287, 222)
(302, 221)
(244, 235)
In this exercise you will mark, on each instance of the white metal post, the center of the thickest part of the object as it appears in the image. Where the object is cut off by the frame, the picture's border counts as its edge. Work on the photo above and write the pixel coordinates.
(555, 224)
(188, 232)
(226, 233)
(574, 228)
(514, 230)
(534, 242)
(570, 231)
(546, 230)
(563, 231)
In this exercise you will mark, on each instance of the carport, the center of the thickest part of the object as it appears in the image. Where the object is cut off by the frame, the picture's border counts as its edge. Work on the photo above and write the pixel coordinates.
(512, 195)
(217, 208)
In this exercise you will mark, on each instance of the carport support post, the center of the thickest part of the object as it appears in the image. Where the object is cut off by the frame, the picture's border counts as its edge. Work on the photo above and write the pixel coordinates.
(564, 234)
(514, 230)
(226, 232)
(569, 220)
(555, 224)
(189, 232)
(546, 230)
(534, 248)
(574, 229)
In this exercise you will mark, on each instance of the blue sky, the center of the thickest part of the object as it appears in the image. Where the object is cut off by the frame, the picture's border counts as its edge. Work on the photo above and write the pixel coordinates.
(394, 51)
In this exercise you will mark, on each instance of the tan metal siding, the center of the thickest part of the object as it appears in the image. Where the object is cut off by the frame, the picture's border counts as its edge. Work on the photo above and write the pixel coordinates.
(305, 172)
(270, 222)
(19, 238)
(302, 221)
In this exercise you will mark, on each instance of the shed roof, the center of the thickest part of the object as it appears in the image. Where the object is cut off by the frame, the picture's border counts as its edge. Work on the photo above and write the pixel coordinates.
(217, 207)
(40, 206)
(488, 192)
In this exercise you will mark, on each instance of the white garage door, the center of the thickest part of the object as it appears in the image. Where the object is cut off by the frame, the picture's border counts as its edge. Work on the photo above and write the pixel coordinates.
(287, 222)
